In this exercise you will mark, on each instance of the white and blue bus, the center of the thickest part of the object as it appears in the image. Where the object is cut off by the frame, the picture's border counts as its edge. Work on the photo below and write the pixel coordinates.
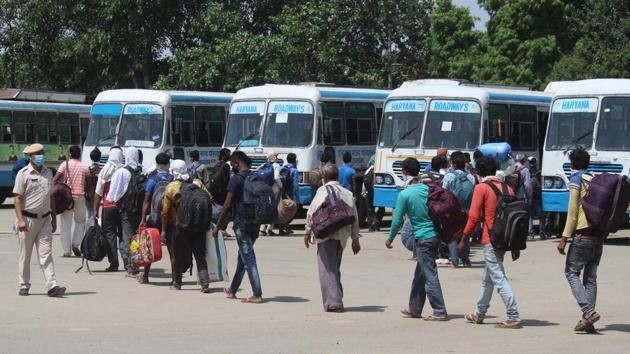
(54, 119)
(593, 114)
(304, 119)
(155, 121)
(422, 116)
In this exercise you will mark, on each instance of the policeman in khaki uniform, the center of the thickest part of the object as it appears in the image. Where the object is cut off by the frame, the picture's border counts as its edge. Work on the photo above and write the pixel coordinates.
(36, 220)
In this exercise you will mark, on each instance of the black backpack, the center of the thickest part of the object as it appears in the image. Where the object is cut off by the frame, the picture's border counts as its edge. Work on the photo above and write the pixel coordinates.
(94, 170)
(287, 181)
(511, 221)
(93, 247)
(261, 207)
(134, 196)
(195, 208)
(216, 179)
(157, 201)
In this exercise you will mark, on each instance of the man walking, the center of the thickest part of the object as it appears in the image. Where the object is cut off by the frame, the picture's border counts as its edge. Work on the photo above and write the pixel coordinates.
(412, 201)
(346, 172)
(483, 205)
(194, 164)
(585, 251)
(246, 230)
(36, 220)
(73, 221)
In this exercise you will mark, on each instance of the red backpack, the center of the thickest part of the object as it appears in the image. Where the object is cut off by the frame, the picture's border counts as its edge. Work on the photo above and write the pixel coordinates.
(449, 218)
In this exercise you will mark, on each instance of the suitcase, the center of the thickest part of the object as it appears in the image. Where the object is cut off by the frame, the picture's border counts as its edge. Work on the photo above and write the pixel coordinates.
(146, 247)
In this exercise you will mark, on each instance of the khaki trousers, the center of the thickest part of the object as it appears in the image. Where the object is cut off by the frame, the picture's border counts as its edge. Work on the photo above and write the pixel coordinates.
(39, 234)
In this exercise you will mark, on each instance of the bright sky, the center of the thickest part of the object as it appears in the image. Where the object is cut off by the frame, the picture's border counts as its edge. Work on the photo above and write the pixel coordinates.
(476, 11)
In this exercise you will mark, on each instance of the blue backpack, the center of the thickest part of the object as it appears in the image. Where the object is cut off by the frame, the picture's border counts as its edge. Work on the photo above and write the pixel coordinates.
(265, 172)
(463, 188)
(287, 181)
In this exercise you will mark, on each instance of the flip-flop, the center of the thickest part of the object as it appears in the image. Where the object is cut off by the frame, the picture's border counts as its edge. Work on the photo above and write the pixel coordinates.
(435, 318)
(408, 314)
(229, 294)
(471, 317)
(510, 325)
(252, 300)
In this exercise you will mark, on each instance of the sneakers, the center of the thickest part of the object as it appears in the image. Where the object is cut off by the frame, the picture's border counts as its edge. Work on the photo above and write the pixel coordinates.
(23, 292)
(57, 291)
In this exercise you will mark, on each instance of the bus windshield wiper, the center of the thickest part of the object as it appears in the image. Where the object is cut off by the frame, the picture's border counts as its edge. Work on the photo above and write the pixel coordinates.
(404, 136)
(249, 136)
(574, 141)
(113, 136)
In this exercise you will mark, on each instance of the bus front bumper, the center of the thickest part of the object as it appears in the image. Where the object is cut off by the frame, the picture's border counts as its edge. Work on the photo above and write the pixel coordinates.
(385, 196)
(555, 201)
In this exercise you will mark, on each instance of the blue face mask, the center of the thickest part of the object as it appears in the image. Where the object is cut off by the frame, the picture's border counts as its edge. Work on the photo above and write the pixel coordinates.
(39, 160)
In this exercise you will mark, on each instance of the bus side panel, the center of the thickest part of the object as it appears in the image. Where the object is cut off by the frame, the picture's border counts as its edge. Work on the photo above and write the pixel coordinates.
(385, 197)
(306, 194)
(556, 201)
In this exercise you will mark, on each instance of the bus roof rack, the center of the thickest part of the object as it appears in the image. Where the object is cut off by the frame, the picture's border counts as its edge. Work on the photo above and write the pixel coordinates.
(41, 96)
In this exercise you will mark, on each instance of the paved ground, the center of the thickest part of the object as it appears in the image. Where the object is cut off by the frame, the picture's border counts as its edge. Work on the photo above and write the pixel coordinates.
(110, 313)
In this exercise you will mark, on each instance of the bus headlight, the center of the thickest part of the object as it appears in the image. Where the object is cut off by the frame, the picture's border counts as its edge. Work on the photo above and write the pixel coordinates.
(378, 179)
(548, 182)
(553, 183)
(389, 180)
(558, 183)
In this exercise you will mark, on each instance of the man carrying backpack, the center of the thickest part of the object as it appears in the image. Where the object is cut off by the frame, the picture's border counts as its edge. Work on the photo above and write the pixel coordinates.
(245, 227)
(290, 186)
(585, 251)
(436, 171)
(413, 202)
(483, 209)
(127, 191)
(522, 178)
(270, 173)
(152, 207)
(461, 183)
(194, 164)
(93, 170)
(189, 207)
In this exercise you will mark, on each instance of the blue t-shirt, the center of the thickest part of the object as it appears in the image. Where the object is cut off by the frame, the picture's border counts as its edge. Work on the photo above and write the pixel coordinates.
(152, 182)
(236, 186)
(346, 175)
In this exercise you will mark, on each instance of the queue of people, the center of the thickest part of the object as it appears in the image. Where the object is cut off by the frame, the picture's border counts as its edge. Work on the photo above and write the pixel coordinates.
(127, 198)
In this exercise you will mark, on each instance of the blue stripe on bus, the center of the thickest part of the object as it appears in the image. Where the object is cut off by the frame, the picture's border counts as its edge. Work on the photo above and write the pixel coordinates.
(556, 201)
(43, 106)
(204, 99)
(385, 197)
(514, 97)
(612, 168)
(346, 94)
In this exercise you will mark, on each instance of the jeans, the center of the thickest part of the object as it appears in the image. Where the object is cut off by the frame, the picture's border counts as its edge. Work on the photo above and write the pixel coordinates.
(452, 250)
(187, 244)
(111, 230)
(536, 212)
(246, 261)
(425, 280)
(584, 255)
(494, 277)
(129, 223)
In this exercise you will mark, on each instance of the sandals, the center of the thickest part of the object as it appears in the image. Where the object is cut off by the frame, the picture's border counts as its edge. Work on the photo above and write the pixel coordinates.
(586, 324)
(408, 314)
(436, 318)
(472, 318)
(509, 324)
(252, 300)
(228, 294)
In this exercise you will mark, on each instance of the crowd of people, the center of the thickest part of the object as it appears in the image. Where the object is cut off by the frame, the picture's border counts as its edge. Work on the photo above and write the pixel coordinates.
(125, 197)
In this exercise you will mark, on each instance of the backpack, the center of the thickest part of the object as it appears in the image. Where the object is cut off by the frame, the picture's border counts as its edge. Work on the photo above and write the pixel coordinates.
(266, 173)
(449, 218)
(62, 193)
(463, 188)
(511, 221)
(93, 170)
(515, 180)
(195, 208)
(134, 196)
(332, 215)
(606, 201)
(287, 181)
(216, 180)
(157, 201)
(93, 247)
(261, 205)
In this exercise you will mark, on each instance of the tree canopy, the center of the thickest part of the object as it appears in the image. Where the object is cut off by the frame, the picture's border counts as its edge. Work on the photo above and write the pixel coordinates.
(226, 45)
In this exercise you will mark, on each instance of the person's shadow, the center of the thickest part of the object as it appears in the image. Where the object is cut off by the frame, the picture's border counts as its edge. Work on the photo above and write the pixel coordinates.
(619, 327)
(286, 299)
(367, 308)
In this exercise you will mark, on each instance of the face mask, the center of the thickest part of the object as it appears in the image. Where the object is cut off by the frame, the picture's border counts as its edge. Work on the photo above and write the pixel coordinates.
(39, 160)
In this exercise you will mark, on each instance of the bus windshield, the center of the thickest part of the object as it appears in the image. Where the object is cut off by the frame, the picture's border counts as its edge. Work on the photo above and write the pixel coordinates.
(453, 124)
(289, 124)
(572, 123)
(244, 123)
(103, 121)
(613, 127)
(402, 123)
(142, 125)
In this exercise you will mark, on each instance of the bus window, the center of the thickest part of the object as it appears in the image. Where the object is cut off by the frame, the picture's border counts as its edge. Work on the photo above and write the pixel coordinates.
(614, 124)
(333, 128)
(452, 124)
(46, 127)
(104, 119)
(84, 124)
(495, 126)
(379, 117)
(523, 127)
(572, 123)
(182, 125)
(289, 124)
(5, 125)
(360, 120)
(69, 128)
(209, 125)
(23, 127)
(141, 125)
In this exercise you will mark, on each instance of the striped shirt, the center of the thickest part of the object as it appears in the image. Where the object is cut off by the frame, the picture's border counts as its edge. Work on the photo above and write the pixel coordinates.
(76, 176)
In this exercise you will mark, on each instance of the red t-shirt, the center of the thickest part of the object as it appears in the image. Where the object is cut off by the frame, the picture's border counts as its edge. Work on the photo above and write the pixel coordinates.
(484, 203)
